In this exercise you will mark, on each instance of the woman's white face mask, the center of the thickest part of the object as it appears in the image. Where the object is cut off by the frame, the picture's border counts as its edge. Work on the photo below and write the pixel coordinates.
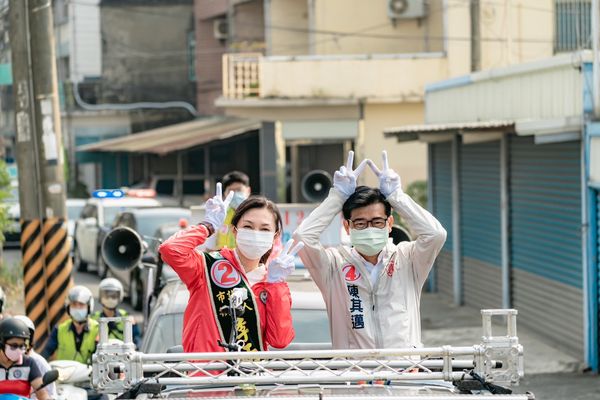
(254, 244)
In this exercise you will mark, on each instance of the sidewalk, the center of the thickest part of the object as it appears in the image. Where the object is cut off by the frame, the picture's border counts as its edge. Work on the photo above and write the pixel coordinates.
(444, 324)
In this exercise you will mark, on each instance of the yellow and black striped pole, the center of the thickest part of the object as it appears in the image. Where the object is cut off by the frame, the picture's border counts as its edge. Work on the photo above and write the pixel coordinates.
(34, 279)
(58, 267)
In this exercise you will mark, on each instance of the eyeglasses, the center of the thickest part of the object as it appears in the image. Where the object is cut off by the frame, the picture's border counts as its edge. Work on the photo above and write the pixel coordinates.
(361, 224)
(14, 347)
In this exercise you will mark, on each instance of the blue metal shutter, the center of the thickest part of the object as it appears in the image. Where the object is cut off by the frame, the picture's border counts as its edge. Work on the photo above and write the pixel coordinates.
(546, 247)
(480, 224)
(442, 210)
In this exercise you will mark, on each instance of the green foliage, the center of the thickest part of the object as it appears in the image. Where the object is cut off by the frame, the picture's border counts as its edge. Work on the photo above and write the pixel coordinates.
(4, 195)
(417, 190)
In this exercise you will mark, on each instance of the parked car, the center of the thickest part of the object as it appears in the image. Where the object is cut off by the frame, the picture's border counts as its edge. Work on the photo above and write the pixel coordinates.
(165, 325)
(167, 191)
(95, 220)
(145, 222)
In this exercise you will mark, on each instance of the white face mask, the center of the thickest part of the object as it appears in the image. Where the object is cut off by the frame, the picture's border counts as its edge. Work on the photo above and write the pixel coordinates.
(237, 199)
(369, 241)
(78, 314)
(254, 244)
(109, 302)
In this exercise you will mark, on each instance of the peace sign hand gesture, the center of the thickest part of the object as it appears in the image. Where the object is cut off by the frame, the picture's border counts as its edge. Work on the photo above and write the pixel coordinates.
(389, 180)
(216, 208)
(282, 266)
(344, 179)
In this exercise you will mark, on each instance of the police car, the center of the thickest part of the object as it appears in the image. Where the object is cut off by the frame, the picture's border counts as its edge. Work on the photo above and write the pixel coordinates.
(96, 218)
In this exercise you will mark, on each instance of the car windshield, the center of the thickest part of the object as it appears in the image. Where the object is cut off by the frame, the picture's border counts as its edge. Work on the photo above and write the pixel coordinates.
(148, 224)
(166, 333)
(73, 211)
(311, 326)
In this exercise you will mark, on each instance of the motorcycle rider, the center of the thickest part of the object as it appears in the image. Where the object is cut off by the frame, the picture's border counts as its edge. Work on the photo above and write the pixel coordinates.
(110, 293)
(18, 372)
(76, 338)
(41, 362)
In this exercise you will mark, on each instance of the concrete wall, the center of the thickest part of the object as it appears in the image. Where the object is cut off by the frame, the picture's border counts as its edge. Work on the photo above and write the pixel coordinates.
(293, 16)
(375, 32)
(525, 27)
(408, 159)
(402, 79)
(142, 62)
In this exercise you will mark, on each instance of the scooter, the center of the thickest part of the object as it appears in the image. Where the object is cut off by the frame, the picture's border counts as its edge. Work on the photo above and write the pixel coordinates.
(73, 378)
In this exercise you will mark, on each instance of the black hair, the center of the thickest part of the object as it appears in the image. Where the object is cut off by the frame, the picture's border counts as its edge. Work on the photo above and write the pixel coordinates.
(253, 202)
(234, 177)
(365, 196)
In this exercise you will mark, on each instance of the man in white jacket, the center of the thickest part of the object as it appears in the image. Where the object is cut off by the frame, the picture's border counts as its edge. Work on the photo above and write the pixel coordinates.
(373, 289)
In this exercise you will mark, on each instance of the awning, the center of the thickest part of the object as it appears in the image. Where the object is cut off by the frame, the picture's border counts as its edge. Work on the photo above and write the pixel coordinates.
(471, 131)
(176, 137)
(551, 130)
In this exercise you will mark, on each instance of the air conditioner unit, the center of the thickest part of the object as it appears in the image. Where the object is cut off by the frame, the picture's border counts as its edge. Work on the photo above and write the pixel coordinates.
(405, 9)
(220, 28)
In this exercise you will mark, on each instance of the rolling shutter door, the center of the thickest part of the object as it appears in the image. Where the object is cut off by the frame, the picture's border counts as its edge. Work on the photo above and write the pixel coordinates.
(480, 224)
(442, 210)
(546, 248)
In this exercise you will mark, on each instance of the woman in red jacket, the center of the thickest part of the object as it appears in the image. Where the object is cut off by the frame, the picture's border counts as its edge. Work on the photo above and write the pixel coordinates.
(212, 277)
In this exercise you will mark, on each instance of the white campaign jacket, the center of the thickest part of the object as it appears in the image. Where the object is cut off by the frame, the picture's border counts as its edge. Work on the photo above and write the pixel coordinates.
(386, 315)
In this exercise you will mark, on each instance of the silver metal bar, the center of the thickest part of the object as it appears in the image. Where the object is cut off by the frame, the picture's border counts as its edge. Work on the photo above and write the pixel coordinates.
(307, 365)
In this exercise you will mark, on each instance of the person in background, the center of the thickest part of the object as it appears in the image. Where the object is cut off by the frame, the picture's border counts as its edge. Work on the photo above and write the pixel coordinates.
(110, 293)
(40, 361)
(238, 183)
(76, 338)
(20, 373)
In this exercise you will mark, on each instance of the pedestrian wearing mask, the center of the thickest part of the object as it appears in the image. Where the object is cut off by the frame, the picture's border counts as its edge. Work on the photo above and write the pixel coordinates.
(40, 361)
(19, 374)
(372, 289)
(238, 183)
(110, 293)
(212, 277)
(76, 338)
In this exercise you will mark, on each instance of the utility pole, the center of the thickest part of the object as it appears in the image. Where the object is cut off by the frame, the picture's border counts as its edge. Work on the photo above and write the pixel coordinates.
(44, 245)
(475, 35)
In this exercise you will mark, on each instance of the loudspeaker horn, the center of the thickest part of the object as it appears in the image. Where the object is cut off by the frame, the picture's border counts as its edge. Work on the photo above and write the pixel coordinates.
(122, 248)
(315, 185)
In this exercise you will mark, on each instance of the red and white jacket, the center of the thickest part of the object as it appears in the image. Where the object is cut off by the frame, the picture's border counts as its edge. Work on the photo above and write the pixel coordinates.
(200, 329)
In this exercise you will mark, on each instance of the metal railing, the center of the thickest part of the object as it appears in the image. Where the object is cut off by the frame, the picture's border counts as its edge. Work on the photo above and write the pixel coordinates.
(241, 75)
(497, 359)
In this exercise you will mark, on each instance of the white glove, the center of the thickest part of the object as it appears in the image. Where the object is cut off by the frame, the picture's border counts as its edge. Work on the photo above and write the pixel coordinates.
(282, 266)
(216, 208)
(389, 180)
(344, 179)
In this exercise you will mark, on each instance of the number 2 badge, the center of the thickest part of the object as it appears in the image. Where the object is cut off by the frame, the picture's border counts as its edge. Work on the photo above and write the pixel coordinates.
(224, 274)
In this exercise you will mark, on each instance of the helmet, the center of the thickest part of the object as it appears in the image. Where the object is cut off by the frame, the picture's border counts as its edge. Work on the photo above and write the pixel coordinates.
(12, 327)
(2, 299)
(80, 294)
(27, 322)
(111, 285)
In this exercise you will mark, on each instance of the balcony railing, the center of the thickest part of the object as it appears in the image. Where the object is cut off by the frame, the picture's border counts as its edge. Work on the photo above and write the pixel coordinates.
(241, 75)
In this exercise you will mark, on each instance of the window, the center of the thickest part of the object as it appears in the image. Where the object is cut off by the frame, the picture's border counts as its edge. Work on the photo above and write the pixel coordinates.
(193, 186)
(165, 186)
(572, 25)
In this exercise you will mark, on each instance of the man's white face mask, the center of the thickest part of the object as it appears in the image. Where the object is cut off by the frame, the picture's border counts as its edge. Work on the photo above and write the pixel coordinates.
(369, 241)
